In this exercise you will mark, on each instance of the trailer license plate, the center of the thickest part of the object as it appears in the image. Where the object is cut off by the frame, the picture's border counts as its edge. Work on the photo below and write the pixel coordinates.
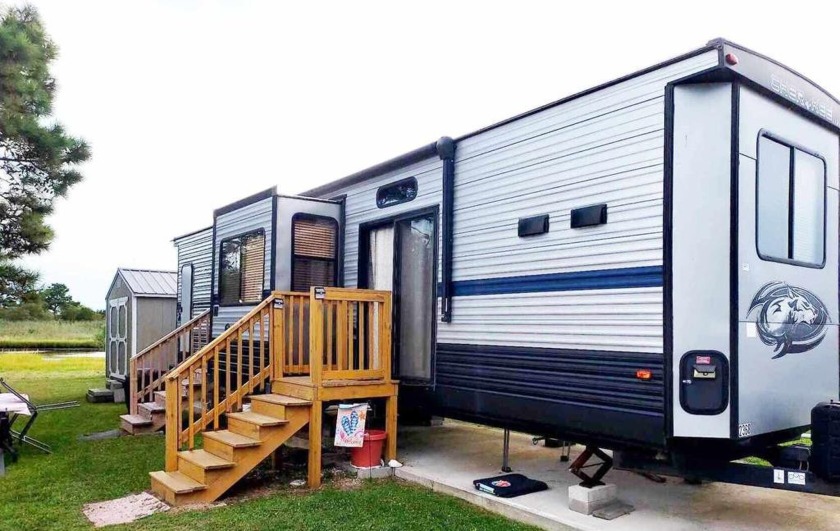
(744, 430)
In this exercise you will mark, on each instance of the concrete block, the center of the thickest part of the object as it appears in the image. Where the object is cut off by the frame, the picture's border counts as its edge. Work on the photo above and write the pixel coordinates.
(583, 500)
(119, 395)
(100, 395)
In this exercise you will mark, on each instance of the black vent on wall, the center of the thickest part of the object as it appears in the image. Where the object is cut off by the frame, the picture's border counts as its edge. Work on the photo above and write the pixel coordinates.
(533, 225)
(589, 216)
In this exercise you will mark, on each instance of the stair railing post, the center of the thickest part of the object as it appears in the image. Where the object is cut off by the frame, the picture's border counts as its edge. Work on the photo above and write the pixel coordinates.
(132, 386)
(316, 335)
(278, 342)
(173, 424)
(385, 335)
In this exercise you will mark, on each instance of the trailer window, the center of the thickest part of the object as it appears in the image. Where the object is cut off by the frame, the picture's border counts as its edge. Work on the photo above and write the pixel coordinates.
(314, 251)
(396, 193)
(790, 203)
(242, 268)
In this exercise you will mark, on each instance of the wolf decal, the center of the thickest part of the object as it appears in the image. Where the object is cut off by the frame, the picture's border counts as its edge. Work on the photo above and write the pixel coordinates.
(790, 319)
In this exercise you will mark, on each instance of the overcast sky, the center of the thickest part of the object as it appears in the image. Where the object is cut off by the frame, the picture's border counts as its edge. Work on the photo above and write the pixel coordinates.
(191, 105)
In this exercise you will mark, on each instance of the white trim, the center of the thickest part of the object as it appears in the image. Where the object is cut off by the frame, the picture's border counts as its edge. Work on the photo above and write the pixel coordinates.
(133, 328)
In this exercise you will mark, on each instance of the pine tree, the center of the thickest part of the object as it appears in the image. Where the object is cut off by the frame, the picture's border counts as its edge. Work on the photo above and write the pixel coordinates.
(38, 158)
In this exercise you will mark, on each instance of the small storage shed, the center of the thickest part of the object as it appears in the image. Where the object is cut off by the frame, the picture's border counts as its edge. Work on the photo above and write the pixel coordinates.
(140, 307)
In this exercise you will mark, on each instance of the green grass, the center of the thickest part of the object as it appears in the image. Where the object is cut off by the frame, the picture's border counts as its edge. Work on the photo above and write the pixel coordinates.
(48, 491)
(51, 334)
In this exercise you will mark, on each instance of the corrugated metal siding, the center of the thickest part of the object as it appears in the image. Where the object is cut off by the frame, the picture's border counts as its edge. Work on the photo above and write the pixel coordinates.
(619, 319)
(360, 206)
(555, 391)
(197, 249)
(249, 218)
(606, 147)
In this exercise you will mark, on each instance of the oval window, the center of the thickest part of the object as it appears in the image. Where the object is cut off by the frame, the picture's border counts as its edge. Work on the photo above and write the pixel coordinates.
(396, 193)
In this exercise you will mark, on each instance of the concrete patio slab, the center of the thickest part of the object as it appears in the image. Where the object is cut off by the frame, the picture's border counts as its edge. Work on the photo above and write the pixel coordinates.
(448, 458)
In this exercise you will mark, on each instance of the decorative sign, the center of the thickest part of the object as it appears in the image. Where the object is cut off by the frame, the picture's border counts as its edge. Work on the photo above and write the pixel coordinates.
(320, 293)
(350, 425)
(278, 304)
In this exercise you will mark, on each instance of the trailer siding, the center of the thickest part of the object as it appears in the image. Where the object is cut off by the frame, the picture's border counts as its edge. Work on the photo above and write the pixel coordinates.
(196, 249)
(360, 206)
(249, 218)
(606, 147)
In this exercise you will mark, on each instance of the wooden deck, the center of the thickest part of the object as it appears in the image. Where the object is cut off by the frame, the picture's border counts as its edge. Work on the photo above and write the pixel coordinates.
(288, 379)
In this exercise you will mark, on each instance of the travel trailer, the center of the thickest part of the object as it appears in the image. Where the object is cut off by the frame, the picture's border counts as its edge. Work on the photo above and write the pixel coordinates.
(195, 270)
(649, 266)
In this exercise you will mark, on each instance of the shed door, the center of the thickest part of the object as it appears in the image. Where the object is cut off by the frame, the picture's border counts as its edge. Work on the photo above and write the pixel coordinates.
(117, 334)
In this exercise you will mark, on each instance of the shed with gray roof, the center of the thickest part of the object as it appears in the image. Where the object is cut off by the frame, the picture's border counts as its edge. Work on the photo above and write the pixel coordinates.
(141, 308)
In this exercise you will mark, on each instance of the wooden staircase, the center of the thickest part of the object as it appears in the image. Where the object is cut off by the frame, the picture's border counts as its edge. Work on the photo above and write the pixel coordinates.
(205, 474)
(150, 416)
(148, 370)
(346, 356)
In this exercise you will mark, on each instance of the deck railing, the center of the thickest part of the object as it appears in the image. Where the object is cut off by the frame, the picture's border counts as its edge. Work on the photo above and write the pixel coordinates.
(293, 329)
(349, 338)
(148, 368)
(350, 334)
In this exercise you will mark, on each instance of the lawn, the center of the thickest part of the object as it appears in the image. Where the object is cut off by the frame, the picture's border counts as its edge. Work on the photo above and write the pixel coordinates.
(52, 334)
(48, 491)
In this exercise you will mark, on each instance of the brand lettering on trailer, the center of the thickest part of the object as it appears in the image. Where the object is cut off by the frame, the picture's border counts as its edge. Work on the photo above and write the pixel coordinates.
(788, 91)
(790, 319)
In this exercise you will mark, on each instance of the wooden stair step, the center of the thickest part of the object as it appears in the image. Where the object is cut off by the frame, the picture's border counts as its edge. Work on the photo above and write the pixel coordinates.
(282, 400)
(177, 482)
(204, 459)
(257, 418)
(137, 420)
(152, 407)
(234, 440)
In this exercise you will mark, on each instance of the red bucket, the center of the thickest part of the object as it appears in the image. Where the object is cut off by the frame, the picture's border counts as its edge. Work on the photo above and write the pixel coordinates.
(370, 453)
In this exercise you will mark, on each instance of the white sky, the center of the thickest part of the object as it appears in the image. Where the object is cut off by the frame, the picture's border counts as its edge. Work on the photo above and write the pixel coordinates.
(191, 105)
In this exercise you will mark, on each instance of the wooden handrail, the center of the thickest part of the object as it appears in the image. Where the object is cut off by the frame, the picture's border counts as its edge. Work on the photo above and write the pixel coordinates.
(349, 339)
(216, 379)
(148, 368)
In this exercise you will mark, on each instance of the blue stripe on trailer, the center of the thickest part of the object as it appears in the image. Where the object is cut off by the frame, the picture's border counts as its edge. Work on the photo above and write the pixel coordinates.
(629, 277)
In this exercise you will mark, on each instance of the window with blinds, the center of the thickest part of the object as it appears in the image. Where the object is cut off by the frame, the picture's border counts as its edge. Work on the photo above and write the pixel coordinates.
(242, 269)
(314, 251)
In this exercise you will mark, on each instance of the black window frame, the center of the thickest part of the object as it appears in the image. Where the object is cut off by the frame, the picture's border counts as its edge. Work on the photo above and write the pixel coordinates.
(385, 187)
(222, 243)
(793, 146)
(314, 217)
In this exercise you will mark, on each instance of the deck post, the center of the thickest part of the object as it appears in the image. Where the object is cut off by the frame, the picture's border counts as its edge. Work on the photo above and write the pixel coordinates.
(314, 465)
(316, 336)
(132, 386)
(173, 424)
(391, 426)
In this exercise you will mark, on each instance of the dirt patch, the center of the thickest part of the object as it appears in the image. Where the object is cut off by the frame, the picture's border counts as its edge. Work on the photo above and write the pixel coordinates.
(123, 510)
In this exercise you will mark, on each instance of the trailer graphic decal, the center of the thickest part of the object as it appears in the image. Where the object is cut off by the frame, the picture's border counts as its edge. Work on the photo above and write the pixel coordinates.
(790, 319)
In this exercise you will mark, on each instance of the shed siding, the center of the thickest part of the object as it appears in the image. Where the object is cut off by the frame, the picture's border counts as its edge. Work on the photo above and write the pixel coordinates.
(252, 217)
(197, 249)
(155, 319)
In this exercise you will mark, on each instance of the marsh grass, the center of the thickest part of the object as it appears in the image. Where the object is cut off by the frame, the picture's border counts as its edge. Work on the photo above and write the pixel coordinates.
(51, 334)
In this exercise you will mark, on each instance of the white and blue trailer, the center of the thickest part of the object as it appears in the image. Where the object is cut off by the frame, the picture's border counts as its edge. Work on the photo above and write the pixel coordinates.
(649, 266)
